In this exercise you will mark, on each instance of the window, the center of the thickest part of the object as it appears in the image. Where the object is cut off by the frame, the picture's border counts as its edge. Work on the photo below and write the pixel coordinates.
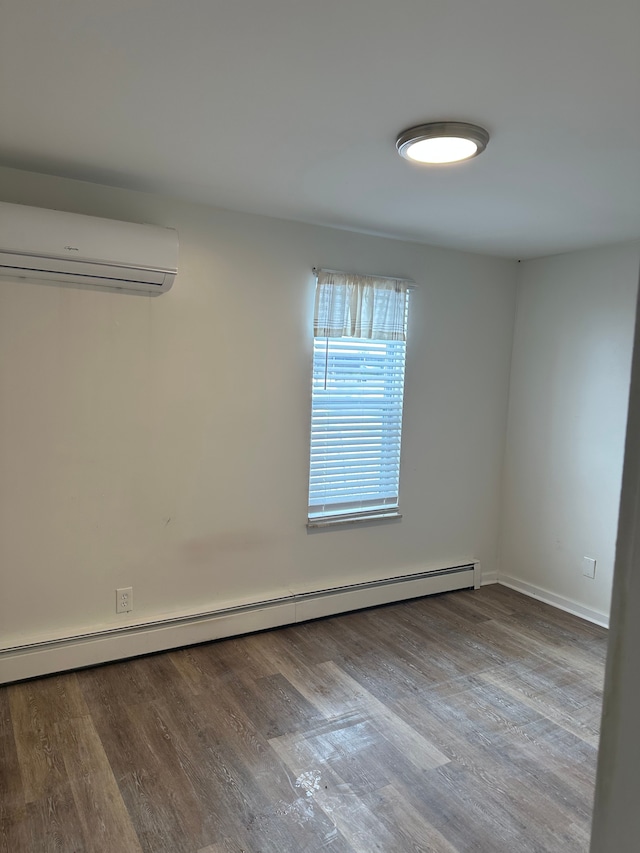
(359, 352)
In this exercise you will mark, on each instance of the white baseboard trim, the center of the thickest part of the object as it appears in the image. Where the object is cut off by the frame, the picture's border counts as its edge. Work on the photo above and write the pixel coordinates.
(46, 656)
(489, 577)
(559, 601)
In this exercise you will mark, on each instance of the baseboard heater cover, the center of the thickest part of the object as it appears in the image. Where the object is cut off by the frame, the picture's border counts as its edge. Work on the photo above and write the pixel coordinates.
(46, 656)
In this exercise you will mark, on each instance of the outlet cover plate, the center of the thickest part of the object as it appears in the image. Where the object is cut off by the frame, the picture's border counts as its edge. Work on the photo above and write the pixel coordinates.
(124, 599)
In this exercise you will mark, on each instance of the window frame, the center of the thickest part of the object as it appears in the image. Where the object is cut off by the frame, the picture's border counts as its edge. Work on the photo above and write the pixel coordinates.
(382, 416)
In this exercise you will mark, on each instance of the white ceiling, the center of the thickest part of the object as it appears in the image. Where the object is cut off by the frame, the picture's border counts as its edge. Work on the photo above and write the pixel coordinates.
(291, 108)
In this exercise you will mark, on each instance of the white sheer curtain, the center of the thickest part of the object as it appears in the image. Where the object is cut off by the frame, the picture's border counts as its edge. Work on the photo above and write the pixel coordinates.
(360, 306)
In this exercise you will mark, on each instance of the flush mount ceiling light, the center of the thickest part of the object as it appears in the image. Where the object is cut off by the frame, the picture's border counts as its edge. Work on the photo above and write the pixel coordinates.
(442, 142)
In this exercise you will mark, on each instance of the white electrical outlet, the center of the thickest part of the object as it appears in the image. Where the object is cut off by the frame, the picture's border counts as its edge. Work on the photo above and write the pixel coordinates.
(589, 567)
(124, 599)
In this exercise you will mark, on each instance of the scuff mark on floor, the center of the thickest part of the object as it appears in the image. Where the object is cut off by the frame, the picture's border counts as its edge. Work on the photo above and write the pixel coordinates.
(309, 781)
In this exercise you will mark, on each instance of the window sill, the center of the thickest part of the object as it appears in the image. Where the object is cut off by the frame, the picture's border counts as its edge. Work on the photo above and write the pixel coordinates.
(354, 518)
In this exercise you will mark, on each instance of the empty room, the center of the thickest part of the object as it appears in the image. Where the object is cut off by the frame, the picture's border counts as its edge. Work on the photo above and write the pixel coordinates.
(318, 396)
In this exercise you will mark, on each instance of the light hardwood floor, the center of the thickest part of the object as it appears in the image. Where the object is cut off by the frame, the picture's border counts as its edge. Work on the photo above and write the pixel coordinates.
(455, 723)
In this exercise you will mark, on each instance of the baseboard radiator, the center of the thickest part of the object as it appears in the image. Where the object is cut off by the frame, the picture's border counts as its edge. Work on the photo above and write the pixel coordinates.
(43, 657)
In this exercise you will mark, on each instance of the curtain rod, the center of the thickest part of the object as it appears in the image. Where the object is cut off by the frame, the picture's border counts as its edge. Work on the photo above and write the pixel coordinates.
(410, 281)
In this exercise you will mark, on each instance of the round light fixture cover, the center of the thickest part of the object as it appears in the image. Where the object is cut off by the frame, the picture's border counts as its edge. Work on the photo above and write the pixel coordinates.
(441, 142)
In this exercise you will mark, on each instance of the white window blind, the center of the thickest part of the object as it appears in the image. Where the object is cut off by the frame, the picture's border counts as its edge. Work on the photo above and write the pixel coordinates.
(357, 398)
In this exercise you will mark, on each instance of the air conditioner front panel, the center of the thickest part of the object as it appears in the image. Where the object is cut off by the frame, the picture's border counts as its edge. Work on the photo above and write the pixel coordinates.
(51, 245)
(57, 234)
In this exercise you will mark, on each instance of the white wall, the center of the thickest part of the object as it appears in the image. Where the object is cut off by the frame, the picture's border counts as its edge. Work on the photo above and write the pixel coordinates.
(163, 443)
(616, 820)
(567, 415)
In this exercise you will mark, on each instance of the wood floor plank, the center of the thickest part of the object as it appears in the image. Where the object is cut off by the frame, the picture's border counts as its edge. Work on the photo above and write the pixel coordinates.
(118, 685)
(36, 737)
(314, 641)
(504, 764)
(575, 717)
(14, 835)
(326, 790)
(105, 820)
(53, 824)
(281, 819)
(277, 708)
(389, 665)
(165, 809)
(483, 604)
(577, 658)
(227, 845)
(6, 727)
(467, 646)
(417, 834)
(334, 692)
(204, 665)
(13, 810)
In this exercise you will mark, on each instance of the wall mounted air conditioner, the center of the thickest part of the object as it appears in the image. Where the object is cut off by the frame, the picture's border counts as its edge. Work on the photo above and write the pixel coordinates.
(50, 245)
